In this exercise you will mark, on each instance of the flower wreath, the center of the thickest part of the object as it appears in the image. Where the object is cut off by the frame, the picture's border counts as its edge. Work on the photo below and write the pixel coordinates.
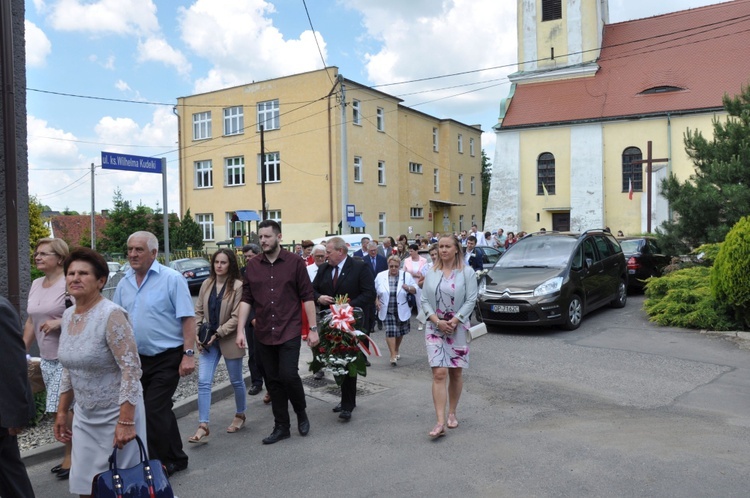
(342, 346)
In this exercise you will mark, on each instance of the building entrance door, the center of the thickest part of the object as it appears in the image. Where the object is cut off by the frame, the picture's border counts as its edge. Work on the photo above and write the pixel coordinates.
(561, 222)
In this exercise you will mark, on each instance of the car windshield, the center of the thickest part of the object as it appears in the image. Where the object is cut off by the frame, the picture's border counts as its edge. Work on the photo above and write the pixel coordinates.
(538, 252)
(192, 264)
(113, 266)
(630, 246)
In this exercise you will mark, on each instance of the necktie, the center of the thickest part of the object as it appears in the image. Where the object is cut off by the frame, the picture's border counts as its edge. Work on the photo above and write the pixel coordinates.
(373, 264)
(335, 276)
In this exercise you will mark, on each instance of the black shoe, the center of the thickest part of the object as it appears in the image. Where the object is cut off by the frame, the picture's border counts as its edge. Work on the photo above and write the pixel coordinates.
(57, 468)
(277, 435)
(63, 474)
(367, 363)
(337, 408)
(303, 424)
(380, 325)
(345, 415)
(173, 467)
(255, 389)
(319, 374)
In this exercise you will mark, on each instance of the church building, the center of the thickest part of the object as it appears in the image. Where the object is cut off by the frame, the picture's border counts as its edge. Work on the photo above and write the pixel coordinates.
(591, 100)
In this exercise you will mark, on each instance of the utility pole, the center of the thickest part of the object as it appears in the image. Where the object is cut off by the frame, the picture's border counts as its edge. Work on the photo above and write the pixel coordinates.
(263, 174)
(344, 169)
(93, 203)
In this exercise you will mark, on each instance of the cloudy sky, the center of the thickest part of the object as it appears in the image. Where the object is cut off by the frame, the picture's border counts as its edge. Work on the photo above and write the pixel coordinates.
(105, 74)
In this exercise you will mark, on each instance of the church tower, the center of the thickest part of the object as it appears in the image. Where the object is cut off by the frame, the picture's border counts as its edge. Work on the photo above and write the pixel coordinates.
(559, 38)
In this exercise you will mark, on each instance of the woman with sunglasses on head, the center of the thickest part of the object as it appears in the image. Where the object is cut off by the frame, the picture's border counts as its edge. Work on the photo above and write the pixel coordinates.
(46, 305)
(218, 306)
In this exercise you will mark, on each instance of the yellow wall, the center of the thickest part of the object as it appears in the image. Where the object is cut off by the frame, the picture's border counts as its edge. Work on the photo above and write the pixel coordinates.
(310, 187)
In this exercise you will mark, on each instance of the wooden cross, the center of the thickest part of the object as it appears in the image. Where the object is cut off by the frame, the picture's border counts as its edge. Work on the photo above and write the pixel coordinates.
(649, 162)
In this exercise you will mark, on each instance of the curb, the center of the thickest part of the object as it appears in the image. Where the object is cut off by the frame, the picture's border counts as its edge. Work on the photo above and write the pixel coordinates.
(181, 408)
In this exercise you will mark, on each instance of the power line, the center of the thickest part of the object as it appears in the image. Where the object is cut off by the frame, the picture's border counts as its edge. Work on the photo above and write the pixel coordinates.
(315, 37)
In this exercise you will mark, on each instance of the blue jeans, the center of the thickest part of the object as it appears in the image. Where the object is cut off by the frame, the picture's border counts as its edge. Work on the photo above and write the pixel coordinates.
(209, 360)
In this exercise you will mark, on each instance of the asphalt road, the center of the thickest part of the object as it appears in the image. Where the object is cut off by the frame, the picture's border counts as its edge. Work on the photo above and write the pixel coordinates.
(617, 408)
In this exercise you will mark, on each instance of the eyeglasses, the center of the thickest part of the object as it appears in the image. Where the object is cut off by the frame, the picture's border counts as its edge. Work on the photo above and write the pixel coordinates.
(319, 256)
(44, 254)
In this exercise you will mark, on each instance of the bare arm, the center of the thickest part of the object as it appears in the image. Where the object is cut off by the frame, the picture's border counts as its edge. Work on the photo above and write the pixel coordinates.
(187, 365)
(244, 312)
(312, 337)
(28, 333)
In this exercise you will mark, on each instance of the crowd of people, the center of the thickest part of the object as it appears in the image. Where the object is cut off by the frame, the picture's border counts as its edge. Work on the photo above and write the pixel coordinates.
(111, 368)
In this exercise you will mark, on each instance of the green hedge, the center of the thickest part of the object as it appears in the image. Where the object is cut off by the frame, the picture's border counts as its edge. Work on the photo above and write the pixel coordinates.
(684, 298)
(730, 278)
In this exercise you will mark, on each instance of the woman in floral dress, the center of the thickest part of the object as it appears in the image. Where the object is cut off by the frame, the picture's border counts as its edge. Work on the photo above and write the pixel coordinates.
(448, 296)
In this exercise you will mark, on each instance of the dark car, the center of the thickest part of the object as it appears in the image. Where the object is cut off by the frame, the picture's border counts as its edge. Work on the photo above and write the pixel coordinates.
(554, 279)
(195, 270)
(644, 259)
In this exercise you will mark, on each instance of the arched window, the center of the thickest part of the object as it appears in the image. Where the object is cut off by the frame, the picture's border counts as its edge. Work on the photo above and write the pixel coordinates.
(632, 172)
(545, 174)
(551, 10)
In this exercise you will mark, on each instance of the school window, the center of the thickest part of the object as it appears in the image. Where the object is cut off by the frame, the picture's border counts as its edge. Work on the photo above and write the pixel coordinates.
(204, 176)
(434, 139)
(235, 169)
(415, 168)
(275, 215)
(202, 125)
(436, 180)
(234, 120)
(381, 225)
(356, 113)
(380, 119)
(551, 10)
(416, 212)
(460, 184)
(357, 169)
(460, 144)
(632, 172)
(460, 222)
(206, 223)
(473, 186)
(545, 174)
(471, 147)
(381, 172)
(273, 168)
(268, 115)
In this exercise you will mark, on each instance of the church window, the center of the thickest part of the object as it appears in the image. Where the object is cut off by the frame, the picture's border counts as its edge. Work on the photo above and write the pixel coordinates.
(545, 174)
(551, 10)
(632, 172)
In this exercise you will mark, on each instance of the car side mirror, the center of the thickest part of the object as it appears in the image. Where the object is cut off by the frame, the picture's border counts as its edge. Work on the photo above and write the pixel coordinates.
(589, 263)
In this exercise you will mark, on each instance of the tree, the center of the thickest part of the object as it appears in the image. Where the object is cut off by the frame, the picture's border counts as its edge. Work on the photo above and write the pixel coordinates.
(717, 195)
(37, 228)
(486, 179)
(190, 233)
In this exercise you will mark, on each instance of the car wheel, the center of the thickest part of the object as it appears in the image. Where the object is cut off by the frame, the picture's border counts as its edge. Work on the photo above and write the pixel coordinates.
(574, 313)
(622, 295)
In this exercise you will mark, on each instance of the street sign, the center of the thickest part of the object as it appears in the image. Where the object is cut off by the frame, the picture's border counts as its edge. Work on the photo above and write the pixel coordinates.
(142, 164)
(350, 213)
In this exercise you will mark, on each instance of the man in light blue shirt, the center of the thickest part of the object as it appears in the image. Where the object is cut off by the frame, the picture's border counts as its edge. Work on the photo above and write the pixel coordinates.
(161, 310)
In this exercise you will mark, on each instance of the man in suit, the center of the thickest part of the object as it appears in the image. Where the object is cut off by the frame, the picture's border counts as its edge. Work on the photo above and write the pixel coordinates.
(16, 404)
(386, 248)
(344, 275)
(473, 256)
(362, 251)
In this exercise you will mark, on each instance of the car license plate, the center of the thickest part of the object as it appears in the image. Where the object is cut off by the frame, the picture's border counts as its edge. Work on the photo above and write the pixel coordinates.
(501, 308)
(201, 274)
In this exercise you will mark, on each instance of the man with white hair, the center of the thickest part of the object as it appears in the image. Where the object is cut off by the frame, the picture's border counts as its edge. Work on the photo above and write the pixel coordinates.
(161, 310)
(319, 257)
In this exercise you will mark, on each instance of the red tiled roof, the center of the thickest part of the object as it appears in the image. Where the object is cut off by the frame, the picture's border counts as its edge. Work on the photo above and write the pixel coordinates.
(705, 51)
(72, 228)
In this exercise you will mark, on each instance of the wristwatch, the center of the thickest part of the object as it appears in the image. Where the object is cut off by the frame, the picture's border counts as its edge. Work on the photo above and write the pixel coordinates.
(314, 328)
(189, 352)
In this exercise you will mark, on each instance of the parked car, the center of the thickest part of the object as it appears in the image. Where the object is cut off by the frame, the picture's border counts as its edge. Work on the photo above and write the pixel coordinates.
(195, 270)
(114, 267)
(554, 279)
(644, 259)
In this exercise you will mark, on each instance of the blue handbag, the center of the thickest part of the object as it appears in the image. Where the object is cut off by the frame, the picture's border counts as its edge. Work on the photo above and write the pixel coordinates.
(146, 480)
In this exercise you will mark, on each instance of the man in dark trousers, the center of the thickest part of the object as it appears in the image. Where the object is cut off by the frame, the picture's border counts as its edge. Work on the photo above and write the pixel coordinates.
(16, 404)
(376, 263)
(339, 276)
(249, 251)
(277, 287)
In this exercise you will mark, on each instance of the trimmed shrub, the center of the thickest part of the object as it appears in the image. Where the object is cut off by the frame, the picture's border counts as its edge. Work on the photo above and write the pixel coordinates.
(683, 298)
(730, 278)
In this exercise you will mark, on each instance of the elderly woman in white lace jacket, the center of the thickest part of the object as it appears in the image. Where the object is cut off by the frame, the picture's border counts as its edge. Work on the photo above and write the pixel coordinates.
(102, 368)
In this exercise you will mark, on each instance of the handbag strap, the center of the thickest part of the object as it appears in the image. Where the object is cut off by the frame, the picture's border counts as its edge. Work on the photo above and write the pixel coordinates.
(113, 457)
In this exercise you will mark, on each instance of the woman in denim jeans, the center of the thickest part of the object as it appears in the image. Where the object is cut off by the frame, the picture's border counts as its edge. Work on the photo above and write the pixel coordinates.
(218, 305)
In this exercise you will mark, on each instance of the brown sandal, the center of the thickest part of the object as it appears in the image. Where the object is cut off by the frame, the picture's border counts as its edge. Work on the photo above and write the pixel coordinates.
(200, 434)
(234, 426)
